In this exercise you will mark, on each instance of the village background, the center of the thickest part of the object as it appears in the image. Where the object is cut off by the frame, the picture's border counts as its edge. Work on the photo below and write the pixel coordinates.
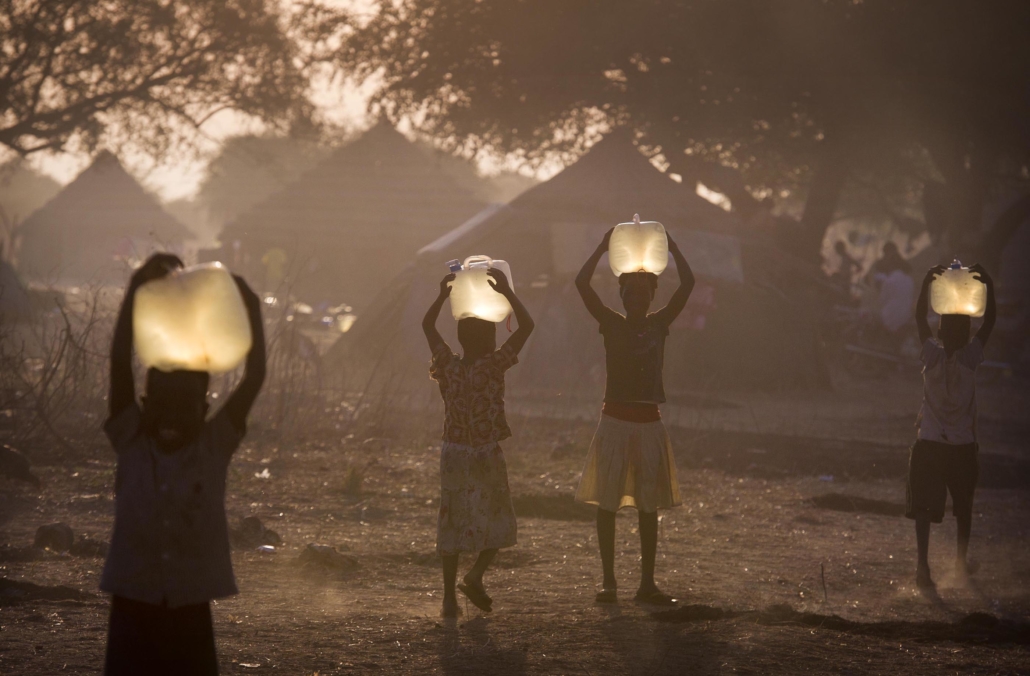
(342, 185)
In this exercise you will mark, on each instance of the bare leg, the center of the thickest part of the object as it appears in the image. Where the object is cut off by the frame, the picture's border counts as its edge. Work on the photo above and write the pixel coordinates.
(475, 575)
(648, 523)
(450, 576)
(964, 567)
(606, 543)
(923, 544)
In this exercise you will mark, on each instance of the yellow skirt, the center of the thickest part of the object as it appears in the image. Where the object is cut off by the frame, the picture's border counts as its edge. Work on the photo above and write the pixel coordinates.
(630, 465)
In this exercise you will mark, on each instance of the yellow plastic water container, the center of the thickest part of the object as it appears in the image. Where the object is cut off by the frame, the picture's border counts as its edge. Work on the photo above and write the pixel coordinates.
(956, 292)
(639, 246)
(472, 295)
(192, 319)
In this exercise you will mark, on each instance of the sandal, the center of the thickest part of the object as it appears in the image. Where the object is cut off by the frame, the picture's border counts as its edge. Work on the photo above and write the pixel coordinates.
(477, 595)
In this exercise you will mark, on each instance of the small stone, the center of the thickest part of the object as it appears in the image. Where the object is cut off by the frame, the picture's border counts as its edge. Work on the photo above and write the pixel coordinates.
(57, 537)
(14, 465)
(89, 548)
(252, 533)
(326, 558)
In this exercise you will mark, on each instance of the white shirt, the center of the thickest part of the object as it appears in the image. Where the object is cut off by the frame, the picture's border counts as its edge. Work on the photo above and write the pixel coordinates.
(948, 414)
(897, 293)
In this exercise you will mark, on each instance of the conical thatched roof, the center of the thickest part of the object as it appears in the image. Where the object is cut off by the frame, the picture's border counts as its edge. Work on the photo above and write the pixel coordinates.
(102, 216)
(355, 219)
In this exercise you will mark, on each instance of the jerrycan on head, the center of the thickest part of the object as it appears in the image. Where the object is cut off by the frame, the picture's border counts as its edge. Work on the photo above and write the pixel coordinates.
(640, 246)
(192, 319)
(472, 295)
(956, 292)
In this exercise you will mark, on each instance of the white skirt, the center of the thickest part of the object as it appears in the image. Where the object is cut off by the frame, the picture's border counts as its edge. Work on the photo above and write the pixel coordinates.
(630, 465)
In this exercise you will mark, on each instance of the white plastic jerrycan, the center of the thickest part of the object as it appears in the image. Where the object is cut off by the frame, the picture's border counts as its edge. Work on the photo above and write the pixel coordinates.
(640, 246)
(472, 295)
(192, 319)
(956, 292)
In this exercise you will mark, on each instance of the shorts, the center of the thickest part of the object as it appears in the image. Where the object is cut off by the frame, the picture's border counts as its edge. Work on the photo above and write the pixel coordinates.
(936, 469)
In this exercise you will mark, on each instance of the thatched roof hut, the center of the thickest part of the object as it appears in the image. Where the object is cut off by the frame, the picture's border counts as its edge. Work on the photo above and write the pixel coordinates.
(95, 228)
(352, 221)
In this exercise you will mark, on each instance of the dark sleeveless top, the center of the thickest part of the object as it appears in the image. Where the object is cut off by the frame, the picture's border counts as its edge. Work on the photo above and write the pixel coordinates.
(634, 356)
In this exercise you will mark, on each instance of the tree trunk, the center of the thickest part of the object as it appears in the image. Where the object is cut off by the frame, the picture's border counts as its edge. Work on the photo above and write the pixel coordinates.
(824, 192)
(993, 243)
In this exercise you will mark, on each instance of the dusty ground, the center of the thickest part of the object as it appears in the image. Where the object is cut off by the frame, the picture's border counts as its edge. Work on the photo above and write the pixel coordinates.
(762, 525)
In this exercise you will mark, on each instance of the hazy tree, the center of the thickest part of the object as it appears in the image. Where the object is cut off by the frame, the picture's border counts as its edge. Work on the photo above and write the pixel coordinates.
(147, 71)
(247, 169)
(22, 191)
(746, 96)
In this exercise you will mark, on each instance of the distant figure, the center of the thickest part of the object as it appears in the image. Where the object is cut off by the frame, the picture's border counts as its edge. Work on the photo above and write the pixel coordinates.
(892, 274)
(845, 274)
(630, 462)
(169, 553)
(890, 261)
(944, 457)
(476, 514)
(274, 260)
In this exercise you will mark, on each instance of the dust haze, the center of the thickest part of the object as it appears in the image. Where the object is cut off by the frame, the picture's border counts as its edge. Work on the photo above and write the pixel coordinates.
(811, 161)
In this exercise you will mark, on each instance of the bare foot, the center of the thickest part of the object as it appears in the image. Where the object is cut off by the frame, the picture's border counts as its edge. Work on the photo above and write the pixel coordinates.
(451, 609)
(923, 579)
(964, 570)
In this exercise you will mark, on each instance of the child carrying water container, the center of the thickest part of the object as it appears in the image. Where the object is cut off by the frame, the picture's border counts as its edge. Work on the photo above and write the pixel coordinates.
(944, 456)
(476, 514)
(630, 461)
(169, 553)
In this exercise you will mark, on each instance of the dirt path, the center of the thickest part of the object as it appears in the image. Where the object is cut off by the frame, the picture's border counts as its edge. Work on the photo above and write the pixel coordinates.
(761, 528)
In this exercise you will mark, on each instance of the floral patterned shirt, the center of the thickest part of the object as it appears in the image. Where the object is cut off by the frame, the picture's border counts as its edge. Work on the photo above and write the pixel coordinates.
(473, 395)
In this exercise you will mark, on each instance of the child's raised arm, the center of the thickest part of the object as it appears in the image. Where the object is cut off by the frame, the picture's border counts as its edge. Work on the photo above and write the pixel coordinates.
(991, 312)
(243, 397)
(682, 293)
(499, 283)
(436, 341)
(586, 273)
(123, 391)
(922, 305)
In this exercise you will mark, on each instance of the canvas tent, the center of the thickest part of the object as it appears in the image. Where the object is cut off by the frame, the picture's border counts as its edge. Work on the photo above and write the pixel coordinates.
(352, 221)
(737, 330)
(95, 228)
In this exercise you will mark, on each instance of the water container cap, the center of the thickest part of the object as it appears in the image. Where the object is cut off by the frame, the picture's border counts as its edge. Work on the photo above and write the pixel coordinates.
(956, 264)
(636, 219)
(454, 265)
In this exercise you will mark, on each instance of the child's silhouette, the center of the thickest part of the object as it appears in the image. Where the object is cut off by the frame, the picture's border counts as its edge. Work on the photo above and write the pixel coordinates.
(476, 513)
(630, 462)
(944, 457)
(169, 553)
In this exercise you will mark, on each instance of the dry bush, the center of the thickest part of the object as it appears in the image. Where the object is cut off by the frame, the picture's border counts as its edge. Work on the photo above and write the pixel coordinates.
(53, 370)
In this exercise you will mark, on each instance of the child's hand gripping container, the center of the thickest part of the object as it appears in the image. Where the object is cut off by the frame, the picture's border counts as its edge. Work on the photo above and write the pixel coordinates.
(472, 295)
(640, 246)
(957, 292)
(192, 319)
